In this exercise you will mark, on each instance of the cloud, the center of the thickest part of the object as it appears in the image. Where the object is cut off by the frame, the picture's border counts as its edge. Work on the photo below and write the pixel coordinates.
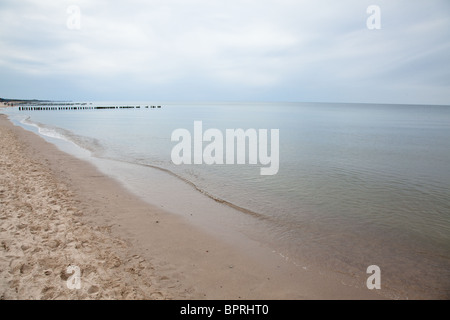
(234, 50)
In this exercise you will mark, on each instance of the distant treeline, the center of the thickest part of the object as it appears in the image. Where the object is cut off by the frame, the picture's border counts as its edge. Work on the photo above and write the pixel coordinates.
(24, 101)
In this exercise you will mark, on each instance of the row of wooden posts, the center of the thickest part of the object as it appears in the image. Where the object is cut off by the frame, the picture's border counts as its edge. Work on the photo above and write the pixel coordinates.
(84, 108)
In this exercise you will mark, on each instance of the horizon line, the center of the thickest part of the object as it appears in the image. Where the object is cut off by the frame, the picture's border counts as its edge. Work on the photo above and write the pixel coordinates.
(221, 101)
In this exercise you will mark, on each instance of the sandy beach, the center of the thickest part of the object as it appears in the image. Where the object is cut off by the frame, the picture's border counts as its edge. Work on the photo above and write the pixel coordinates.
(58, 211)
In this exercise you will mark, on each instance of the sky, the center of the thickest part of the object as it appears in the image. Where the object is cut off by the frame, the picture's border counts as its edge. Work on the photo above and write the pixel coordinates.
(226, 50)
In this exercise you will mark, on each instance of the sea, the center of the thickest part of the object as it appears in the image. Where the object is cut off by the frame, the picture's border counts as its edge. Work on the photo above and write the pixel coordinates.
(357, 185)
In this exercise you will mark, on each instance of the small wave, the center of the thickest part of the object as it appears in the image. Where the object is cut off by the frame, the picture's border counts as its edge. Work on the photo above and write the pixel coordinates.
(91, 144)
(43, 129)
(199, 189)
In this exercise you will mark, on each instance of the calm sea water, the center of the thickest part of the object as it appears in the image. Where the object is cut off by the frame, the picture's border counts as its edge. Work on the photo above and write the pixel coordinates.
(358, 184)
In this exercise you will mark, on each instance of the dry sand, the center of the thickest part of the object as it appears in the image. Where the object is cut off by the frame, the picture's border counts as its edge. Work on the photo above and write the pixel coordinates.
(57, 211)
(41, 234)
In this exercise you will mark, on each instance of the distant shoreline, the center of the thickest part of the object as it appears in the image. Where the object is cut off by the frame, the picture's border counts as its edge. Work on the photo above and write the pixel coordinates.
(5, 103)
(14, 102)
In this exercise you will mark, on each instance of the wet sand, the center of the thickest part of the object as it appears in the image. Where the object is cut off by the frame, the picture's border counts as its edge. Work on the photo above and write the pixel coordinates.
(57, 210)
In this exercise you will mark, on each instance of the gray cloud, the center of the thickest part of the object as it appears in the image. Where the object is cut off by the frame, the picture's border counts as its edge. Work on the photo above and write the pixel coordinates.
(227, 50)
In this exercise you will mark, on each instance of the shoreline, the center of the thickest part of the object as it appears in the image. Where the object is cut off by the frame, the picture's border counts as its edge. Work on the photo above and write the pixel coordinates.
(176, 259)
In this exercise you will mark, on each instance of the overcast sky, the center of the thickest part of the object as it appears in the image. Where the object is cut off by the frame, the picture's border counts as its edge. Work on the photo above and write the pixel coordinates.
(226, 50)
